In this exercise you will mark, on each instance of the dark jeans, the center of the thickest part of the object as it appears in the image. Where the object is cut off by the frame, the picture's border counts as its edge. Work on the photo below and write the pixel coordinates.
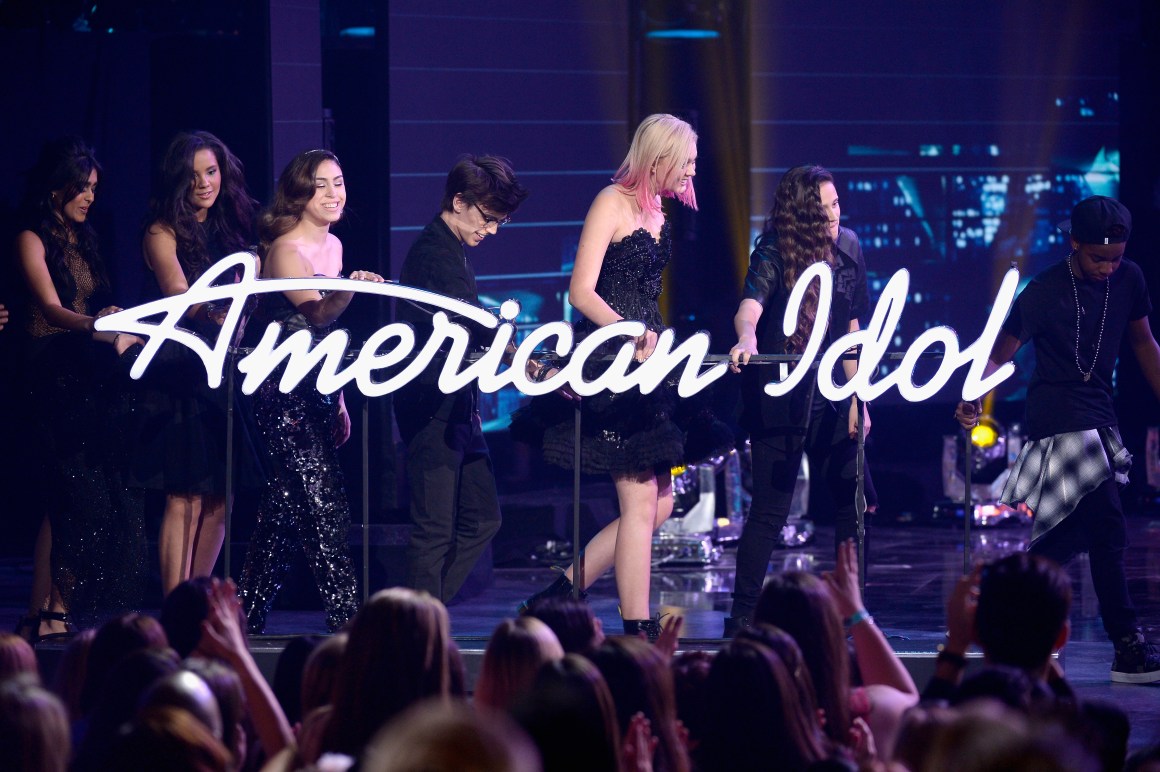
(454, 504)
(1097, 528)
(776, 458)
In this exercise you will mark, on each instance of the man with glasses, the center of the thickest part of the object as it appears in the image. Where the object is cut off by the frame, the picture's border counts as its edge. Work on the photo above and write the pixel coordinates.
(454, 504)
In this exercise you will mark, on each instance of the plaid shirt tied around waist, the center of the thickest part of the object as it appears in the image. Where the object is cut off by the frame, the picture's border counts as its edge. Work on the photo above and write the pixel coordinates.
(1053, 474)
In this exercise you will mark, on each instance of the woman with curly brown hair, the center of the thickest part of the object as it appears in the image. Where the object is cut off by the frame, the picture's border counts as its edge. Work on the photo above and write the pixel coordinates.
(200, 212)
(802, 229)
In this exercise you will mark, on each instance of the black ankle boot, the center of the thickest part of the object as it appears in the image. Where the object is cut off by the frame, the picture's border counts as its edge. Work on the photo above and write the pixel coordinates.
(560, 588)
(734, 625)
(650, 627)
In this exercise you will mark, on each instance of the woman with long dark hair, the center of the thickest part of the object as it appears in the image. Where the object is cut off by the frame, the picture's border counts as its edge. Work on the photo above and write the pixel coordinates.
(802, 230)
(304, 500)
(759, 712)
(90, 549)
(200, 212)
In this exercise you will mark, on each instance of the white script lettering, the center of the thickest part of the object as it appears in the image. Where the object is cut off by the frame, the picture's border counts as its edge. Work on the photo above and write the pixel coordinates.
(299, 354)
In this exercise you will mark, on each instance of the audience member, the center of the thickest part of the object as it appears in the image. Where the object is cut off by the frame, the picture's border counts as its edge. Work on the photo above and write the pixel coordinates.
(34, 730)
(71, 668)
(811, 610)
(517, 649)
(639, 678)
(320, 674)
(115, 640)
(576, 627)
(168, 738)
(570, 715)
(182, 612)
(757, 712)
(447, 736)
(690, 677)
(231, 701)
(16, 657)
(397, 655)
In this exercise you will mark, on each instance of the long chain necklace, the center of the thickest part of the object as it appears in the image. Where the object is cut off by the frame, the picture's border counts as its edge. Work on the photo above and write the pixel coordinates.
(1099, 339)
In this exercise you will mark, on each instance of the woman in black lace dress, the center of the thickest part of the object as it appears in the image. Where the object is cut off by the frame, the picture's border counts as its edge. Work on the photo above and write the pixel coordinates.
(90, 551)
(200, 213)
(624, 246)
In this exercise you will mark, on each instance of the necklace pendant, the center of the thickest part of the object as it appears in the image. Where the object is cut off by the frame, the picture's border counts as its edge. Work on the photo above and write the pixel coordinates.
(1087, 377)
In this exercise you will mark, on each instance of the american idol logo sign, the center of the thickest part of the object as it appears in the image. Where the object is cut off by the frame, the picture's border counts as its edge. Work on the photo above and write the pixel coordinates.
(394, 352)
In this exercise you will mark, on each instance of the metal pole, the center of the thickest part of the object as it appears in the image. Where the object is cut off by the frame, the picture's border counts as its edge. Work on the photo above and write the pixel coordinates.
(366, 499)
(860, 495)
(968, 504)
(577, 551)
(229, 514)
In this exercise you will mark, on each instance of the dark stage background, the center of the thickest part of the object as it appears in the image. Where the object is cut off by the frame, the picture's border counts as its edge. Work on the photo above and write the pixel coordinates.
(959, 135)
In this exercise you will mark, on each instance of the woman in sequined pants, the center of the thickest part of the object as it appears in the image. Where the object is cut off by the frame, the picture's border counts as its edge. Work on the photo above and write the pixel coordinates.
(304, 500)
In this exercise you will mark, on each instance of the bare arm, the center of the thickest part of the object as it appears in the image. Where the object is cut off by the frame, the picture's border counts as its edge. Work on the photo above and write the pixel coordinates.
(599, 228)
(877, 661)
(1147, 352)
(222, 637)
(745, 325)
(33, 265)
(285, 261)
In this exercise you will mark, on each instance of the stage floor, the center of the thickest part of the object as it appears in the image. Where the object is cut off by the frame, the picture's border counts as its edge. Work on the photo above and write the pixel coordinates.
(911, 570)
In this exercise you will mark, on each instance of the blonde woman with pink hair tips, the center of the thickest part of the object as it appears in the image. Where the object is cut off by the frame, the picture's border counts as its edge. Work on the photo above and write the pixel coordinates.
(624, 246)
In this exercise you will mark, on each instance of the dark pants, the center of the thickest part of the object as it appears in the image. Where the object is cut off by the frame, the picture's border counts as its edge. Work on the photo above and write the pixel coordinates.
(454, 504)
(304, 503)
(1097, 528)
(776, 459)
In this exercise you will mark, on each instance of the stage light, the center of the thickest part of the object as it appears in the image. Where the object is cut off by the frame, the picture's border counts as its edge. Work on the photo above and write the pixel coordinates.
(986, 433)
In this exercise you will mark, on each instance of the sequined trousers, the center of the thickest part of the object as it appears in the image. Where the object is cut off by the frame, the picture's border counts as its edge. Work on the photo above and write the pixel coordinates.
(304, 502)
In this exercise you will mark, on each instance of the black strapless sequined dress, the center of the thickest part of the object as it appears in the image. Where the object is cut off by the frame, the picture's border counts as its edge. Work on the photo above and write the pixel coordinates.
(620, 433)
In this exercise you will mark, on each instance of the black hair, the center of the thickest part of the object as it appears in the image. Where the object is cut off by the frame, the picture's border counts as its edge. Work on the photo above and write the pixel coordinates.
(486, 180)
(1024, 601)
(61, 172)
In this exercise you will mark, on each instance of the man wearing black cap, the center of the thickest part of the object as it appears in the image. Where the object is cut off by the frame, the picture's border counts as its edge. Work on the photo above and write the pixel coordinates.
(1077, 313)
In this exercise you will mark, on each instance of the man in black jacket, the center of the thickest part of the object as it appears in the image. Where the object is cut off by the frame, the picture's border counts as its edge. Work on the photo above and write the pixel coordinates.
(454, 504)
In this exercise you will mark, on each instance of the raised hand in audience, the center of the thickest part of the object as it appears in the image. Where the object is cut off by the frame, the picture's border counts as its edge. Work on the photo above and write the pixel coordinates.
(639, 745)
(222, 637)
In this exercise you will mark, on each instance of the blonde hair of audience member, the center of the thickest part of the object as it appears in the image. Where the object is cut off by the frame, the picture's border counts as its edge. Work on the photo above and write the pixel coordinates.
(34, 727)
(396, 655)
(441, 736)
(16, 657)
(517, 649)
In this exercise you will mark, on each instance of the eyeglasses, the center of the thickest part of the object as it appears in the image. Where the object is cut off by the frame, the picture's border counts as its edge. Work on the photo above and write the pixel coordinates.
(491, 219)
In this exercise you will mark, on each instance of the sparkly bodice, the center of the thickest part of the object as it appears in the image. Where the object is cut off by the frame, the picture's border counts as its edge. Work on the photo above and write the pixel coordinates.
(40, 327)
(630, 277)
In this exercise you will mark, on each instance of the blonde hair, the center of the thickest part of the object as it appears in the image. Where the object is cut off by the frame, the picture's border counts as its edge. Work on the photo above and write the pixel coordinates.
(662, 144)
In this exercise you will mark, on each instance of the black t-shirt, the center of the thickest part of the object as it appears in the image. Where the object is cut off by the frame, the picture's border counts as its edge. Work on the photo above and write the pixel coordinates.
(1058, 399)
(765, 283)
